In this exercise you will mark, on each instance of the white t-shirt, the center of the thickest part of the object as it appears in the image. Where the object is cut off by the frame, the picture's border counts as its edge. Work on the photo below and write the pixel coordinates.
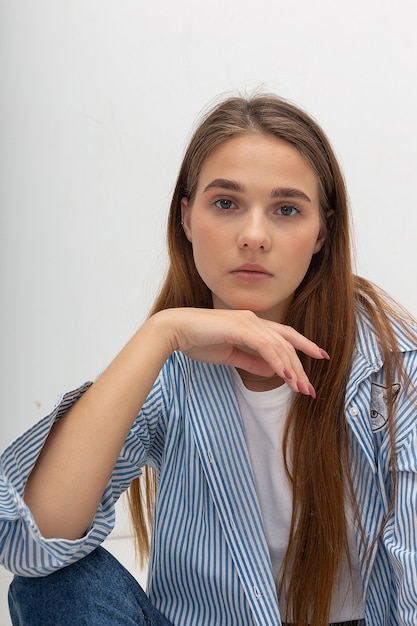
(264, 415)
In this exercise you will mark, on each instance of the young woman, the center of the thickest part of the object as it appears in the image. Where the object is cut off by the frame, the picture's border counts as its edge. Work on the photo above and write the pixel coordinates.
(282, 481)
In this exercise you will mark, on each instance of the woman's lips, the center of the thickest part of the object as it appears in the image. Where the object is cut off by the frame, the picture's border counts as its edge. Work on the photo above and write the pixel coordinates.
(251, 272)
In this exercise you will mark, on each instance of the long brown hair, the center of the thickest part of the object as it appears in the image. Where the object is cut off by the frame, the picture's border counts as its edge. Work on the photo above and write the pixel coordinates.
(323, 309)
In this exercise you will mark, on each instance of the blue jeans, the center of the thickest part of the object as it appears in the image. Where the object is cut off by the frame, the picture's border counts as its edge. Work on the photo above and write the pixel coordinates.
(95, 591)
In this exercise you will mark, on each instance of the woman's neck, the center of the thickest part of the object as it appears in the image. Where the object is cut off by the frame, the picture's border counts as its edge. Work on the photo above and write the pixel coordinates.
(259, 383)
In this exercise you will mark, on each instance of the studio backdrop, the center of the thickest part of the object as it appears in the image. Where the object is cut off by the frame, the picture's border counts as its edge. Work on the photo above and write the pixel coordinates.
(98, 99)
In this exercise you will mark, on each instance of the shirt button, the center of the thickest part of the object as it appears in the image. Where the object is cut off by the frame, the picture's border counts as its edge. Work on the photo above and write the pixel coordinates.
(353, 411)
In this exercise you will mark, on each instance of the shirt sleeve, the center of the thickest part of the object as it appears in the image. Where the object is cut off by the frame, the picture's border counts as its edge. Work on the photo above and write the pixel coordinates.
(23, 549)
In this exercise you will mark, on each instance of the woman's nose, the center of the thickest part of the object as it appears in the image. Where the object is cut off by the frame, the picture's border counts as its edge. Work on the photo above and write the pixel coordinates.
(254, 234)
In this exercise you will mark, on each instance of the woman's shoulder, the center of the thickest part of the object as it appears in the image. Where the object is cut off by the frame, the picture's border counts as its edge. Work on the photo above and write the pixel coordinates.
(369, 338)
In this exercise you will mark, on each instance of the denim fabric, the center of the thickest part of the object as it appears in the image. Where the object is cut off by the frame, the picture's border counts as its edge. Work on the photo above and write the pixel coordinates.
(95, 591)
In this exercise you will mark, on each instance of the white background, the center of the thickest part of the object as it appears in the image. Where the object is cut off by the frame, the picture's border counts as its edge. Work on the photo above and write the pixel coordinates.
(97, 100)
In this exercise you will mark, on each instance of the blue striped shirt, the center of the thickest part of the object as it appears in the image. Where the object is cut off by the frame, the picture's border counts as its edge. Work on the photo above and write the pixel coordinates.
(209, 559)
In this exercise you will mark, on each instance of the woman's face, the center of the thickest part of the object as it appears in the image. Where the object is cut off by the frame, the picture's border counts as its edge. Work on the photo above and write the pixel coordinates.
(254, 224)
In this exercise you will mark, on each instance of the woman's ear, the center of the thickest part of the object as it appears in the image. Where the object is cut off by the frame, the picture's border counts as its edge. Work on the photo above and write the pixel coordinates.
(323, 231)
(186, 218)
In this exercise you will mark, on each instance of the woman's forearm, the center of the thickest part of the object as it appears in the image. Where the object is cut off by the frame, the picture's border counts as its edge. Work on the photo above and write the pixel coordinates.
(76, 462)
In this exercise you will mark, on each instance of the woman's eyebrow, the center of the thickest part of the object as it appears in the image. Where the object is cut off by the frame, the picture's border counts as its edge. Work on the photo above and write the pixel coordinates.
(289, 192)
(224, 183)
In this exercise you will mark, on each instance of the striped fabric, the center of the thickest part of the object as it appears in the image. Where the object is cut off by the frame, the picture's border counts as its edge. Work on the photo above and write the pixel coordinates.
(209, 563)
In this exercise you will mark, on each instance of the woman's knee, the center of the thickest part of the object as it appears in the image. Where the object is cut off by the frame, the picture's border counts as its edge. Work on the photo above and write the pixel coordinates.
(97, 590)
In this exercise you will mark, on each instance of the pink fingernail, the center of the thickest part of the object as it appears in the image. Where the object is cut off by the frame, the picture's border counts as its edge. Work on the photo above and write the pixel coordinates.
(301, 388)
(324, 354)
(312, 391)
(286, 374)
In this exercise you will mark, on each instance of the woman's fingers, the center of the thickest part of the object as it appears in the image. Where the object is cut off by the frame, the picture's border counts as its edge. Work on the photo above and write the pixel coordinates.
(279, 357)
(285, 343)
(300, 342)
(242, 339)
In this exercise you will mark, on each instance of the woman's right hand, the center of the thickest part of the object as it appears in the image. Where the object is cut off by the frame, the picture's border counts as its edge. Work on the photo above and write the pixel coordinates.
(243, 340)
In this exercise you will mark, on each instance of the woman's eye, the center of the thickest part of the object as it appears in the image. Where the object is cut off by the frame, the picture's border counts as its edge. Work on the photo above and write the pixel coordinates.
(288, 210)
(224, 204)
